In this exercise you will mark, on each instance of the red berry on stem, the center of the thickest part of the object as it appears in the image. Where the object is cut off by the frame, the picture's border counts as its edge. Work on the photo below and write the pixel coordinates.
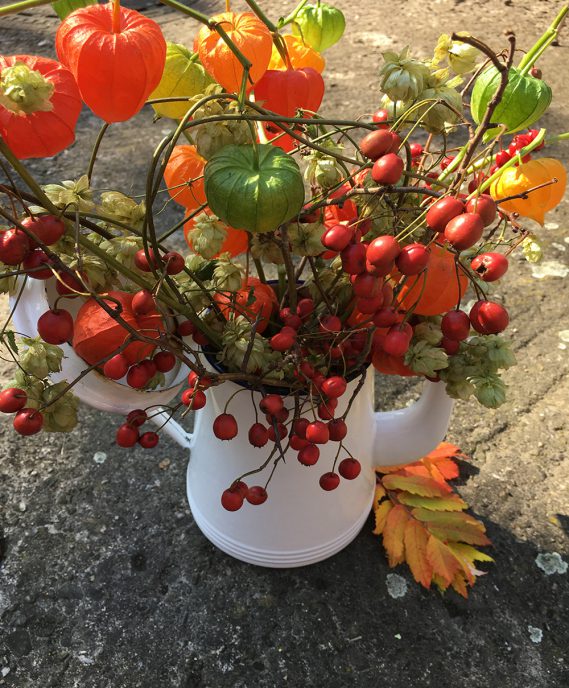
(369, 306)
(442, 212)
(164, 361)
(137, 376)
(354, 259)
(143, 302)
(68, 285)
(142, 262)
(174, 262)
(309, 455)
(28, 421)
(47, 228)
(305, 307)
(127, 435)
(334, 386)
(329, 481)
(413, 259)
(271, 403)
(232, 499)
(150, 367)
(337, 429)
(489, 317)
(455, 325)
(12, 399)
(366, 286)
(116, 367)
(256, 495)
(380, 117)
(194, 398)
(385, 317)
(349, 468)
(376, 143)
(14, 246)
(33, 263)
(388, 169)
(330, 323)
(451, 346)
(396, 342)
(149, 440)
(464, 231)
(490, 266)
(55, 326)
(281, 427)
(485, 206)
(383, 250)
(502, 157)
(137, 418)
(297, 443)
(186, 328)
(416, 150)
(282, 341)
(317, 432)
(299, 427)
(258, 435)
(225, 426)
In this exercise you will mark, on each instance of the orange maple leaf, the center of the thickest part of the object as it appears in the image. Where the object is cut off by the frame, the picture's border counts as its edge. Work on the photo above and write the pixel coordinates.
(416, 538)
(394, 533)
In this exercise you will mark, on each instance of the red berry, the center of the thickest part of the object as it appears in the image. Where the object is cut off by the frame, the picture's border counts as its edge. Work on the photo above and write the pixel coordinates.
(174, 262)
(490, 266)
(317, 432)
(116, 367)
(143, 263)
(164, 361)
(489, 317)
(337, 429)
(366, 286)
(282, 341)
(376, 143)
(283, 432)
(55, 326)
(297, 443)
(299, 427)
(442, 212)
(204, 381)
(413, 259)
(451, 346)
(150, 367)
(329, 481)
(148, 440)
(232, 499)
(258, 435)
(194, 399)
(349, 468)
(225, 426)
(127, 435)
(33, 263)
(186, 328)
(416, 150)
(380, 117)
(28, 421)
(456, 325)
(47, 228)
(485, 206)
(388, 169)
(395, 142)
(326, 409)
(305, 307)
(383, 250)
(396, 342)
(334, 386)
(464, 231)
(12, 399)
(137, 418)
(14, 246)
(271, 403)
(309, 455)
(354, 259)
(143, 302)
(256, 495)
(536, 72)
(446, 161)
(369, 306)
(241, 487)
(502, 157)
(385, 317)
(280, 416)
(68, 285)
(137, 376)
(330, 323)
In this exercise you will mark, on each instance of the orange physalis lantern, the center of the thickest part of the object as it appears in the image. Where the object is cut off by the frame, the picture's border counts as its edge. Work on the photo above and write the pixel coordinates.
(39, 106)
(252, 38)
(186, 164)
(117, 58)
(300, 55)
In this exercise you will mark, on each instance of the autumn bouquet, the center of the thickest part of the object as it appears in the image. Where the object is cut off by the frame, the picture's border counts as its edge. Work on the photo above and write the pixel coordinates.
(316, 247)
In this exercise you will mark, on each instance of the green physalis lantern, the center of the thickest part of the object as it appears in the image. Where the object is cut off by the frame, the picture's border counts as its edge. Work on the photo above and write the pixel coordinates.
(523, 103)
(256, 187)
(320, 26)
(183, 77)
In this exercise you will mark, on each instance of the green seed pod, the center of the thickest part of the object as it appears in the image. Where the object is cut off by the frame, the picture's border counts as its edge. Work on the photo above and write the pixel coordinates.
(319, 25)
(254, 189)
(523, 103)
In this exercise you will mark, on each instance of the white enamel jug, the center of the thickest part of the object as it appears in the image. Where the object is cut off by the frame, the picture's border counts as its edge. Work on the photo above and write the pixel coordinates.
(299, 523)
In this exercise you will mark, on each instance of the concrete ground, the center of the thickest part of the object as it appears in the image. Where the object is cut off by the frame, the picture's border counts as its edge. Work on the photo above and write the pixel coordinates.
(107, 583)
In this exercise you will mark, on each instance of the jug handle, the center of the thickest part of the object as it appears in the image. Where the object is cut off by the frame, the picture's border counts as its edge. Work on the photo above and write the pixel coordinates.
(408, 434)
(161, 418)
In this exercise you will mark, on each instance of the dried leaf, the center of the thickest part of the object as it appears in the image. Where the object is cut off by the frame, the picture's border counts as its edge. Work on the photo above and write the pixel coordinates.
(441, 558)
(426, 487)
(416, 538)
(393, 534)
(381, 514)
(451, 502)
(380, 493)
(459, 585)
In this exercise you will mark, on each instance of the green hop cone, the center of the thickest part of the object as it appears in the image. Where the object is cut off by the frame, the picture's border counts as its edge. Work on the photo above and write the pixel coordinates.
(490, 390)
(7, 284)
(60, 415)
(38, 358)
(429, 331)
(32, 387)
(264, 248)
(401, 77)
(122, 208)
(426, 359)
(71, 195)
(461, 57)
(211, 137)
(531, 249)
(323, 170)
(236, 340)
(437, 117)
(227, 276)
(208, 235)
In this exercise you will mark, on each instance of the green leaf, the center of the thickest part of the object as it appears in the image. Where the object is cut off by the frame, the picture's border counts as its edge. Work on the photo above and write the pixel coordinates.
(426, 359)
(65, 7)
(9, 339)
(451, 502)
(417, 484)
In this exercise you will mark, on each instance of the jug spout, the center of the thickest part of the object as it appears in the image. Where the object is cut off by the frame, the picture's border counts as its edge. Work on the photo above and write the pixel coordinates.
(408, 434)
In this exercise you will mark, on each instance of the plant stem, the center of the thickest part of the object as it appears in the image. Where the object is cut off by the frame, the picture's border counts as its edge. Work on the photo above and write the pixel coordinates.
(96, 147)
(292, 16)
(262, 16)
(116, 25)
(20, 6)
(543, 43)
